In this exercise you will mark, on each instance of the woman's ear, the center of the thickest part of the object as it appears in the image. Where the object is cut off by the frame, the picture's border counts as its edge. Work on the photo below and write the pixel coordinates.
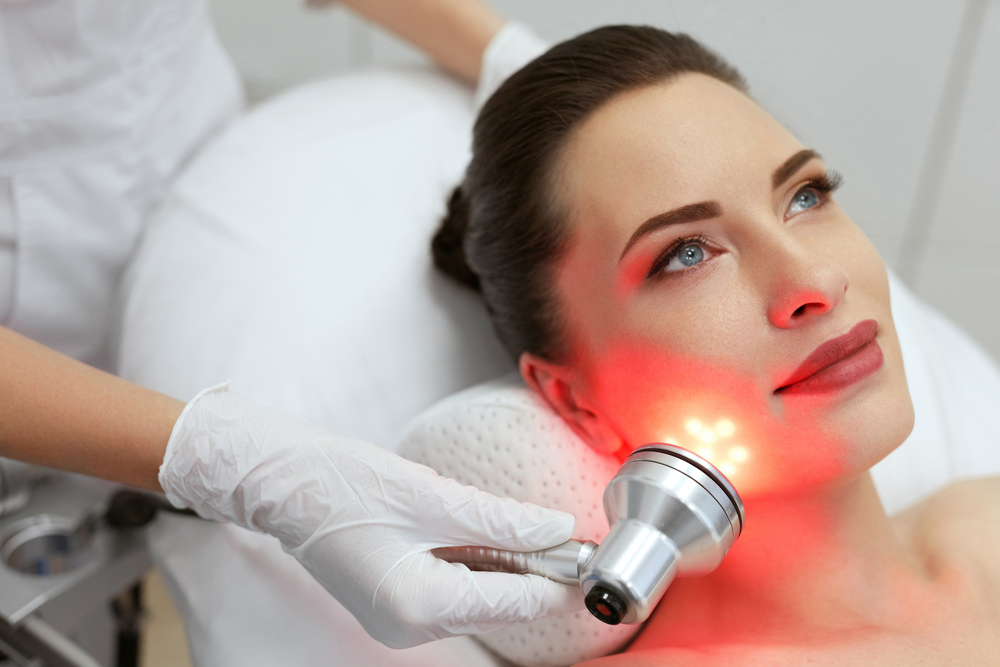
(551, 381)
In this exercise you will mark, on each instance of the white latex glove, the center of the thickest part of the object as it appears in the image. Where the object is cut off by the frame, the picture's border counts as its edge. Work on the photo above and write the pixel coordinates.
(362, 520)
(513, 47)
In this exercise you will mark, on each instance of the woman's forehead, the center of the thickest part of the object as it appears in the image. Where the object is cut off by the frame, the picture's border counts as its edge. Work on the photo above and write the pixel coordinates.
(664, 146)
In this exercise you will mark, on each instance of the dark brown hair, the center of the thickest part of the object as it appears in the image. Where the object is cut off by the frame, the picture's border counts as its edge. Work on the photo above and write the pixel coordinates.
(503, 233)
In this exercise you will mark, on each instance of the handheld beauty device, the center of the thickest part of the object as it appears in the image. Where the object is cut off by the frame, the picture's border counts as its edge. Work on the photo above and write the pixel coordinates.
(671, 513)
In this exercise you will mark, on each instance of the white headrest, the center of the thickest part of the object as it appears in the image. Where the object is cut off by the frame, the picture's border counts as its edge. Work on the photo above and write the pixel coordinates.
(293, 258)
(501, 438)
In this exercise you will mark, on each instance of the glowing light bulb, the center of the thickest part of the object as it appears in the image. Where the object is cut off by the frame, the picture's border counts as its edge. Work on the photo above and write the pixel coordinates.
(693, 426)
(706, 453)
(725, 428)
(727, 469)
(738, 454)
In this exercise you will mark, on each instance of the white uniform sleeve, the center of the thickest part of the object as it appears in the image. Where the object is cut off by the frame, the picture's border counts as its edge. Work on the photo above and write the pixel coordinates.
(511, 49)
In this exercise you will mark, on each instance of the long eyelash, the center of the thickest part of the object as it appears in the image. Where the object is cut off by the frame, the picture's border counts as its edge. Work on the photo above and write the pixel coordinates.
(823, 185)
(827, 183)
(672, 251)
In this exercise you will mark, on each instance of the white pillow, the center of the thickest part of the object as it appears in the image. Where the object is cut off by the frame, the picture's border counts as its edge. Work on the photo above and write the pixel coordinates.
(293, 257)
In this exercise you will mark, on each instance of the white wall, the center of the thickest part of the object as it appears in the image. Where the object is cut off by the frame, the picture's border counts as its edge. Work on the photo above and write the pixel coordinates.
(901, 96)
(956, 262)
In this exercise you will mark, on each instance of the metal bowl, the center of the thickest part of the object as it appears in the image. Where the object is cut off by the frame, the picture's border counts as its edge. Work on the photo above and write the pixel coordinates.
(44, 545)
(16, 482)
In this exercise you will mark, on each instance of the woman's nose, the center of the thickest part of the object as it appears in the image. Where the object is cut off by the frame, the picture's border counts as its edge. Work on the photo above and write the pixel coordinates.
(805, 285)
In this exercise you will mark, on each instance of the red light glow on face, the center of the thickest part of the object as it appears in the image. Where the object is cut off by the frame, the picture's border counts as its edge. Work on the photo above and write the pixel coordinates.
(729, 420)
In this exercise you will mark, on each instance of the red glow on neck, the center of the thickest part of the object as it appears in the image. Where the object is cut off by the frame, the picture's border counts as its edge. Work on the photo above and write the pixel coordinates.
(794, 552)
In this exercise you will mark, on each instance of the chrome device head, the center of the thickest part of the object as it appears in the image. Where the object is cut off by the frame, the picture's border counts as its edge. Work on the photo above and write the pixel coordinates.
(671, 512)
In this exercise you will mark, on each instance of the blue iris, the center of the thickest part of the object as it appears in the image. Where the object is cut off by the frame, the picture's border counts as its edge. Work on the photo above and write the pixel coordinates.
(691, 255)
(804, 199)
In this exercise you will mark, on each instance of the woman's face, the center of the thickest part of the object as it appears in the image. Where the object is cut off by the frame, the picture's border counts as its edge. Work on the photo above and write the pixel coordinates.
(716, 297)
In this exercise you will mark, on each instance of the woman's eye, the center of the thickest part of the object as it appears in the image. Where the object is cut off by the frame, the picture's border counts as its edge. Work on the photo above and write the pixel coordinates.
(682, 255)
(687, 256)
(804, 199)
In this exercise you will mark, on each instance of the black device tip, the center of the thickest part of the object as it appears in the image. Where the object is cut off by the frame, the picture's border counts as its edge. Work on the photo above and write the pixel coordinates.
(606, 605)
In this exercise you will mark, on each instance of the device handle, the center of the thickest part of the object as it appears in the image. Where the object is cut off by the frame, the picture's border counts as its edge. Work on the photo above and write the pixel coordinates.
(562, 563)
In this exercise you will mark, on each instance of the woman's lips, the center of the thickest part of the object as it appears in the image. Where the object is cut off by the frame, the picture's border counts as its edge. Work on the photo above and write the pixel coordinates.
(837, 363)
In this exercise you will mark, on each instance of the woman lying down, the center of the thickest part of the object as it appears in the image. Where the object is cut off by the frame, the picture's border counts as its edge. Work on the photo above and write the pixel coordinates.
(651, 244)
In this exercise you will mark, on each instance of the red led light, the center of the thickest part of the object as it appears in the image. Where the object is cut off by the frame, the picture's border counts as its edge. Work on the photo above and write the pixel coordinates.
(762, 444)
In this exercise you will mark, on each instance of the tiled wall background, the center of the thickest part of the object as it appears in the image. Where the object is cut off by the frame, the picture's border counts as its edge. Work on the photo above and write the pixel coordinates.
(901, 96)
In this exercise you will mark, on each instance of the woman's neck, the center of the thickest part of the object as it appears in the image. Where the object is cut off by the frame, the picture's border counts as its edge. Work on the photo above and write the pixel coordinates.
(804, 567)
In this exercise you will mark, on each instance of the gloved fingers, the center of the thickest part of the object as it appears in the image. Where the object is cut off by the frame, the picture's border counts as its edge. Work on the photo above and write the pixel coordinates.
(462, 515)
(434, 599)
(477, 602)
(509, 589)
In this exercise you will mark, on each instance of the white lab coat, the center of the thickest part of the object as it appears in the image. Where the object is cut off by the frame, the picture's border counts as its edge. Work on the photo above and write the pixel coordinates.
(102, 102)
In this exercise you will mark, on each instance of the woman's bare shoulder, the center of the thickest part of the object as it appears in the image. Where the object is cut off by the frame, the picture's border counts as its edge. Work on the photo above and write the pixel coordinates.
(964, 516)
(888, 649)
(966, 499)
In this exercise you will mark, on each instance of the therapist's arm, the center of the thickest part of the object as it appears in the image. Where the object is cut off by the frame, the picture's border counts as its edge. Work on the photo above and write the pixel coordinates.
(452, 32)
(58, 412)
(360, 519)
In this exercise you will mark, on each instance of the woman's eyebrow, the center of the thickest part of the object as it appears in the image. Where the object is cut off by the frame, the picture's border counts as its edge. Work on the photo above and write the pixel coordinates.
(703, 210)
(792, 165)
(711, 209)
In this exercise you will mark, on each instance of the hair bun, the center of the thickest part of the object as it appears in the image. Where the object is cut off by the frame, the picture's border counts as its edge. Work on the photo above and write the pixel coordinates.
(448, 244)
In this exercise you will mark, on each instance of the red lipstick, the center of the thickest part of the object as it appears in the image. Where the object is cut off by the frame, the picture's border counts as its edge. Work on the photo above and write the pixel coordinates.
(837, 363)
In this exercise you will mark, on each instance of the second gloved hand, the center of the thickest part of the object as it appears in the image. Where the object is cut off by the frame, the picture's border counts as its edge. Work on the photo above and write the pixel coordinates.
(363, 520)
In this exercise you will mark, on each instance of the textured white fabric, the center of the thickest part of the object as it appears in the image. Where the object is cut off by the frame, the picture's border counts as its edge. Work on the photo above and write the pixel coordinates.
(499, 437)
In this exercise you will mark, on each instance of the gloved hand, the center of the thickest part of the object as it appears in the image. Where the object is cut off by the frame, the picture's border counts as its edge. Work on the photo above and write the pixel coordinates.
(362, 520)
